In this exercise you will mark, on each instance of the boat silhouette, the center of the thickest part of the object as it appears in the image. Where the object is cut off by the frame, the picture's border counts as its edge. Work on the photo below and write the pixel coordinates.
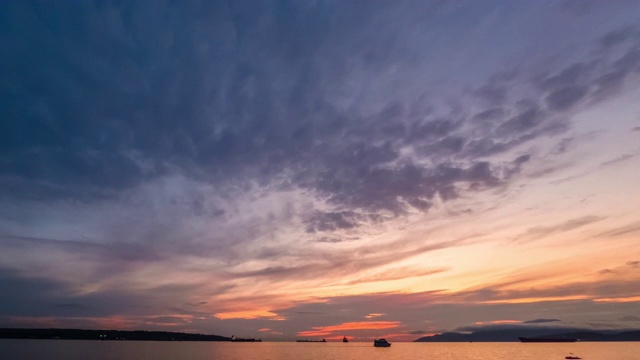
(381, 343)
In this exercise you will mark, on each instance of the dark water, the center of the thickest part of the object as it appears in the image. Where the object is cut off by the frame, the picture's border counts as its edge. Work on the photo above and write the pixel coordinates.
(129, 350)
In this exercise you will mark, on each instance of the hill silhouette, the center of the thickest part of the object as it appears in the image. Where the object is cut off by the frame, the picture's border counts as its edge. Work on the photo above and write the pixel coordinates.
(506, 335)
(78, 334)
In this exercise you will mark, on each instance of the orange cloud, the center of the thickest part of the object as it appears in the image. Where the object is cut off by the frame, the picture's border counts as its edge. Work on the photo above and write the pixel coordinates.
(618, 300)
(360, 325)
(397, 274)
(248, 315)
(537, 299)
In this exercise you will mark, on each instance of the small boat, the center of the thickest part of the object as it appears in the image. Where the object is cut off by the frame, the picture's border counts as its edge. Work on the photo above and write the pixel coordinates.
(381, 343)
(571, 356)
(344, 339)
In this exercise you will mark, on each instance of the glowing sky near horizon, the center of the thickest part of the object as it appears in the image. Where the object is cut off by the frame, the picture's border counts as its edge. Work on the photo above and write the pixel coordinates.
(288, 169)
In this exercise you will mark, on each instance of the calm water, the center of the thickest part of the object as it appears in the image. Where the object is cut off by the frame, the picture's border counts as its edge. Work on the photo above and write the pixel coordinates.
(129, 350)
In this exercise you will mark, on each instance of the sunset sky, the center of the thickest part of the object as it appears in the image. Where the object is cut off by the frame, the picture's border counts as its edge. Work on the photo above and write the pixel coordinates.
(319, 169)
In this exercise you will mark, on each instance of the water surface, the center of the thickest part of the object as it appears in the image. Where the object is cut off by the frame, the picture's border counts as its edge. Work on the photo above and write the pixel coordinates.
(130, 350)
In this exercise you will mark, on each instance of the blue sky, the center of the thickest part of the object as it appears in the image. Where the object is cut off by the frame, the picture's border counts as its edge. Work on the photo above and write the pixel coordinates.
(315, 168)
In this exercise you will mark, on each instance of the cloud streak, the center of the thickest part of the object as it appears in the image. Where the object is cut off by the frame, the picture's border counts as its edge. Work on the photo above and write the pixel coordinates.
(363, 325)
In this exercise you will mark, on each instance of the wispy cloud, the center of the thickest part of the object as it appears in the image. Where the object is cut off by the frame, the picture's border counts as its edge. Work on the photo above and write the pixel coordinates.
(540, 232)
(247, 315)
(630, 299)
(363, 325)
(374, 315)
(540, 321)
(498, 322)
(396, 274)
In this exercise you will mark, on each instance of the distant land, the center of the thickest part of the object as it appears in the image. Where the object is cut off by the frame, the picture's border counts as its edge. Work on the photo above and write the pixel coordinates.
(77, 334)
(506, 335)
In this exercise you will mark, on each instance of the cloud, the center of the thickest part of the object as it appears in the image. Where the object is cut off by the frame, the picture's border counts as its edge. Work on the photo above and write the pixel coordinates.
(362, 325)
(569, 77)
(331, 240)
(490, 114)
(564, 98)
(629, 299)
(41, 297)
(618, 36)
(331, 221)
(498, 322)
(619, 159)
(539, 232)
(236, 127)
(396, 274)
(374, 315)
(412, 310)
(596, 290)
(247, 315)
(540, 321)
(139, 140)
(493, 94)
(621, 230)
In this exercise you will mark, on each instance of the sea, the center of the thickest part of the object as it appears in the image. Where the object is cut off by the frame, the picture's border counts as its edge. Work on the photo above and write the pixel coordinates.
(157, 350)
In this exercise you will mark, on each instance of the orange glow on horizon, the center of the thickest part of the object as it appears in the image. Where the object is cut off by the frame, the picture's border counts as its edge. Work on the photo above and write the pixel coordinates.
(360, 325)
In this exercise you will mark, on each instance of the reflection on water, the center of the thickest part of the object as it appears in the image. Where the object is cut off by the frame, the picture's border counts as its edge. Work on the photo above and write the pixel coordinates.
(130, 350)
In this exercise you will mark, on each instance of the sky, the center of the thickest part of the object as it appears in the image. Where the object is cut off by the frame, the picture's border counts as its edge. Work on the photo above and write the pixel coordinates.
(320, 169)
